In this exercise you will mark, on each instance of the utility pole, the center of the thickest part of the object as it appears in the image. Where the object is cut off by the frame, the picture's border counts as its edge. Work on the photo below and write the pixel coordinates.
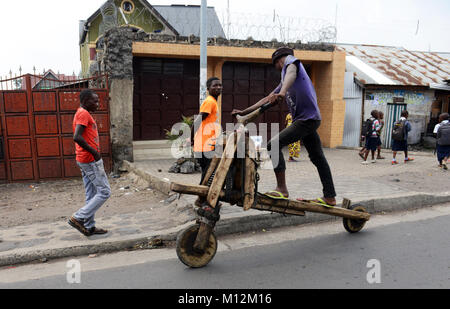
(203, 50)
(335, 23)
(228, 20)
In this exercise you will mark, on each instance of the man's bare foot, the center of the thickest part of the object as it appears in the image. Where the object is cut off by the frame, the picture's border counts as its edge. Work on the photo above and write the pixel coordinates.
(330, 200)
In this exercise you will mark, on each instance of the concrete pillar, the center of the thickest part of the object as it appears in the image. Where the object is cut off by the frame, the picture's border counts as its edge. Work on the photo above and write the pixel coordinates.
(329, 84)
(121, 117)
(118, 63)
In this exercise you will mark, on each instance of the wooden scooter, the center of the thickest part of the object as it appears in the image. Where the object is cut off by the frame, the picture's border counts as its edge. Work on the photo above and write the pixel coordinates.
(233, 178)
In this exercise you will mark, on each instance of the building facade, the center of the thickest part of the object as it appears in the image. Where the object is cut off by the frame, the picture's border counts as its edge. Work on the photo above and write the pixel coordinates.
(392, 79)
(154, 79)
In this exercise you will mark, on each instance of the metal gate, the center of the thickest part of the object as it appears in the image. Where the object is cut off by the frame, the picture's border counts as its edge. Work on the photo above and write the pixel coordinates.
(164, 90)
(36, 127)
(353, 110)
(394, 112)
(244, 84)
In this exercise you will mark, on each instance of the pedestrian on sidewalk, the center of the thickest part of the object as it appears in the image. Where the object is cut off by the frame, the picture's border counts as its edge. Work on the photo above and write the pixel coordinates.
(366, 131)
(294, 148)
(87, 148)
(373, 137)
(205, 132)
(442, 131)
(400, 137)
(297, 90)
(381, 120)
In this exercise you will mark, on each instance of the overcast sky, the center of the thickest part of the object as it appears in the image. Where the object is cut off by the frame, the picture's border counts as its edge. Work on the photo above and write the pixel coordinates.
(44, 33)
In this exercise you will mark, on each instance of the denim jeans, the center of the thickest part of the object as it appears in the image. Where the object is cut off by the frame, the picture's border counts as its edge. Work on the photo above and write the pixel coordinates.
(97, 191)
(306, 131)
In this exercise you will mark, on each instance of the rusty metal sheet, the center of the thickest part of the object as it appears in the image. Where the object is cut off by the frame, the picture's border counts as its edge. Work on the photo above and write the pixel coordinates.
(69, 101)
(16, 102)
(102, 121)
(66, 123)
(103, 99)
(105, 144)
(71, 168)
(44, 101)
(2, 149)
(47, 147)
(46, 124)
(403, 67)
(17, 126)
(36, 129)
(68, 146)
(20, 148)
(50, 169)
(2, 171)
(22, 170)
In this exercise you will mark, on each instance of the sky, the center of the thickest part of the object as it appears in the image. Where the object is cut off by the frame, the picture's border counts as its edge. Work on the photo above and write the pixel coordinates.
(44, 33)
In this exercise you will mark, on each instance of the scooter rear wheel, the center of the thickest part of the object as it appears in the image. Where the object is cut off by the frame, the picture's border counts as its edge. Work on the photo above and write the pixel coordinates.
(352, 225)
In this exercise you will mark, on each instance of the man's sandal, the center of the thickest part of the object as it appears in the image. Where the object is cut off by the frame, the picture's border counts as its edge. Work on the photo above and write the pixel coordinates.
(318, 201)
(277, 195)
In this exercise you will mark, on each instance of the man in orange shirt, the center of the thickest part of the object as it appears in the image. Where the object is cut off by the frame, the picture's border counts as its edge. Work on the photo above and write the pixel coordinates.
(89, 160)
(206, 130)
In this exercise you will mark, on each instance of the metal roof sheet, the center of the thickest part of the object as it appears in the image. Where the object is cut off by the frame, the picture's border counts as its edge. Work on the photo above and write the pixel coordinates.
(186, 19)
(401, 66)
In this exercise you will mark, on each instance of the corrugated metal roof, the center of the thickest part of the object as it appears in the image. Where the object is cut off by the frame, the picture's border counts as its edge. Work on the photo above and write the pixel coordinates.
(396, 64)
(186, 19)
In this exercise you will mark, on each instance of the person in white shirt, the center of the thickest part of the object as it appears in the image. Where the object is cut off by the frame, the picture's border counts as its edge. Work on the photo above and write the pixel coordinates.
(372, 140)
(442, 151)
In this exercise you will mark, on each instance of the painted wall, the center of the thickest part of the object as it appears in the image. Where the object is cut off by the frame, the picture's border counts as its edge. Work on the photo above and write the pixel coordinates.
(418, 105)
(140, 18)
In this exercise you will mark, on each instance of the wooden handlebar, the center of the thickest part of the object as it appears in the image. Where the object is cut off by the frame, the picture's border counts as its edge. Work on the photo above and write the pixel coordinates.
(253, 115)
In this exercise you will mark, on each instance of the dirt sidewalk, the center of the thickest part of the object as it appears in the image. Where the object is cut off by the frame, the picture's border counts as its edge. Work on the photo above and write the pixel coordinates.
(28, 203)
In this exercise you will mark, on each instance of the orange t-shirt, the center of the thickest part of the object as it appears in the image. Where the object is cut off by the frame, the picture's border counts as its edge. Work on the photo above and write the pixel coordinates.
(205, 137)
(90, 134)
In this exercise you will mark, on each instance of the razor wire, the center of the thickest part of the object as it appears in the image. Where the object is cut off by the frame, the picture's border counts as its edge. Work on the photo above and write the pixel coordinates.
(225, 24)
(285, 29)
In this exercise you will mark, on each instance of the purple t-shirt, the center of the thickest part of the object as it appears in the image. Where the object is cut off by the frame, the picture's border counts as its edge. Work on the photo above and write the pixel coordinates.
(301, 98)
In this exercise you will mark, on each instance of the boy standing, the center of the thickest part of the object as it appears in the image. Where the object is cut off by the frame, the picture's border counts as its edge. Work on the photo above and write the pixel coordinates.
(205, 126)
(89, 160)
(400, 137)
(372, 138)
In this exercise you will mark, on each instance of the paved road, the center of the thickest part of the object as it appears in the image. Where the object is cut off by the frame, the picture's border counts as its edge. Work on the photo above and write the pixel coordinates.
(400, 250)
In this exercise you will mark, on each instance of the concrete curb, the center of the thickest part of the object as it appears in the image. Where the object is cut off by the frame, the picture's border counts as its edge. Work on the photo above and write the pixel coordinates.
(229, 224)
(157, 183)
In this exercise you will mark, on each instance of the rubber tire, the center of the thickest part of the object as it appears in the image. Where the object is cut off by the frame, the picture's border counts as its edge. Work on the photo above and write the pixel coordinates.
(185, 252)
(352, 225)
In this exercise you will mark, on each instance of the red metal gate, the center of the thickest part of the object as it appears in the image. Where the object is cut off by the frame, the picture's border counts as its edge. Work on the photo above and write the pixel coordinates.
(36, 137)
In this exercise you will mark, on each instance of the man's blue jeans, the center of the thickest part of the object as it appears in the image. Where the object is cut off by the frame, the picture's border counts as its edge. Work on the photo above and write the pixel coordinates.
(97, 190)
